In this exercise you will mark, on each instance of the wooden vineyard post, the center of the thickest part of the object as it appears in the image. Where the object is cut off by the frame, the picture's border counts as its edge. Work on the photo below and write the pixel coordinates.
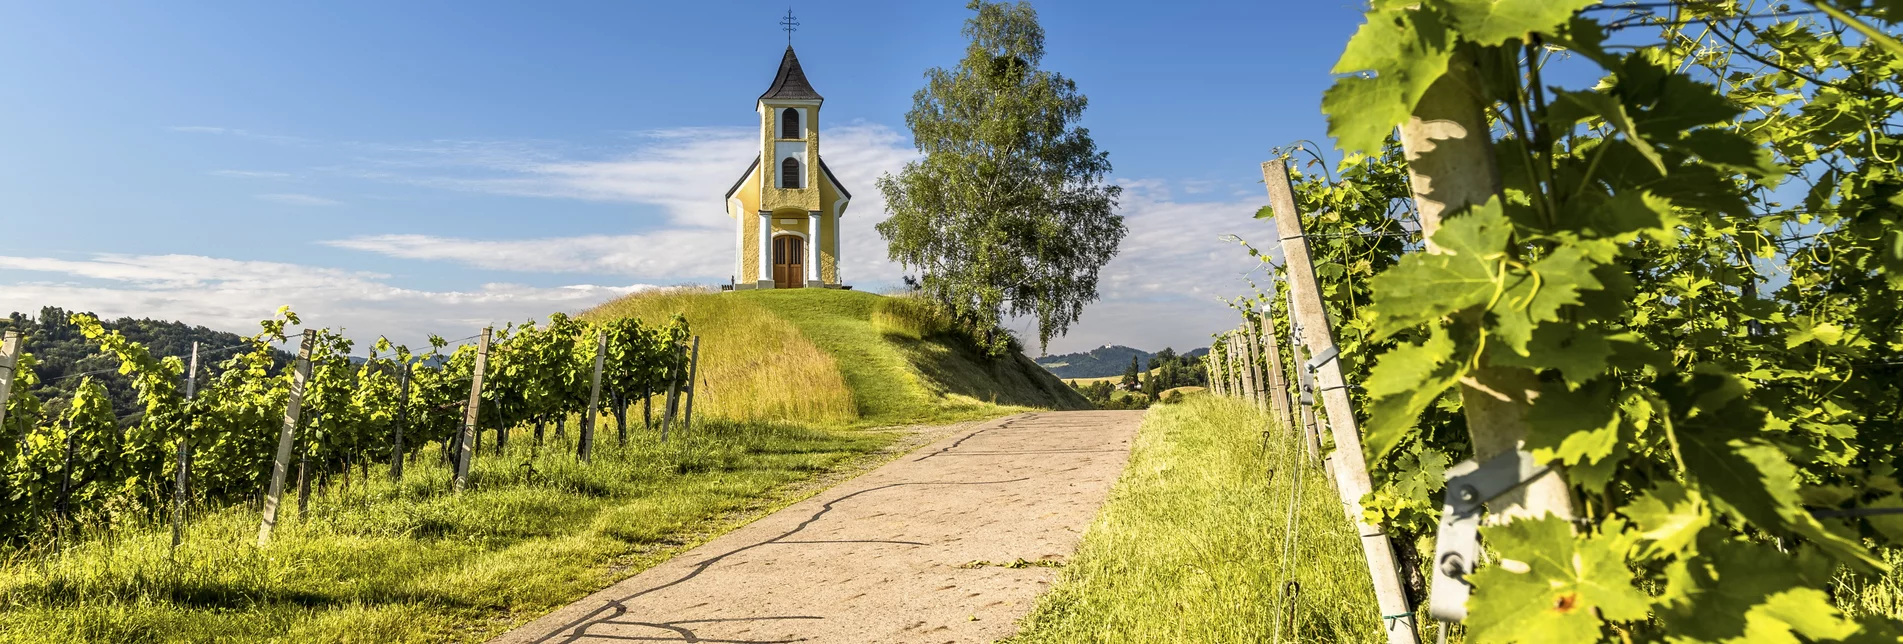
(282, 464)
(1216, 375)
(1228, 366)
(1247, 367)
(1256, 364)
(673, 388)
(1232, 380)
(9, 360)
(1305, 390)
(1351, 468)
(693, 371)
(587, 447)
(1238, 364)
(1278, 388)
(184, 456)
(466, 452)
(1260, 387)
(1461, 172)
(1209, 371)
(402, 417)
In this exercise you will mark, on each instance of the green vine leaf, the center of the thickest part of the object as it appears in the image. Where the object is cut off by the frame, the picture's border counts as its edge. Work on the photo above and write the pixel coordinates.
(1537, 294)
(1467, 273)
(1403, 383)
(1493, 22)
(1572, 107)
(1550, 586)
(1406, 50)
(1669, 518)
(1573, 426)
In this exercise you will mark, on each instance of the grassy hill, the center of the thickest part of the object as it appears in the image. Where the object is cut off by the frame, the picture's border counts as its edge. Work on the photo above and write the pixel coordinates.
(819, 355)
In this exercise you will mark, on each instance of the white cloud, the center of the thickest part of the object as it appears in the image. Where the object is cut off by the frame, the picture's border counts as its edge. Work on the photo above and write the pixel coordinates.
(1162, 289)
(679, 252)
(232, 295)
(250, 174)
(685, 172)
(293, 199)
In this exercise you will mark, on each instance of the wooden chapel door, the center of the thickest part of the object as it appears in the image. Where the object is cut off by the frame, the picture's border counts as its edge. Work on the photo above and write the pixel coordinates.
(789, 262)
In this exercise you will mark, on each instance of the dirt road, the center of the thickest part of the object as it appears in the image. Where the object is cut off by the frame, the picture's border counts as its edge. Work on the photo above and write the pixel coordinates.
(923, 549)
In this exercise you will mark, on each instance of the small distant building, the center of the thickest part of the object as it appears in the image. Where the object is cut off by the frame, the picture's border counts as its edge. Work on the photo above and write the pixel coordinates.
(786, 206)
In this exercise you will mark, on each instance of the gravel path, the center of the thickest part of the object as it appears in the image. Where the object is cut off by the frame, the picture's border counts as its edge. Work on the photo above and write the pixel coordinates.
(926, 548)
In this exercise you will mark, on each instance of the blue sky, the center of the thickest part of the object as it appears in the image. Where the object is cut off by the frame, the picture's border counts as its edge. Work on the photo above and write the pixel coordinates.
(429, 167)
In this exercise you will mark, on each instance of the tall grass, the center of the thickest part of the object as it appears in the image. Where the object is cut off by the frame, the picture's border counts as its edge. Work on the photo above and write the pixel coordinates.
(909, 317)
(1189, 547)
(754, 365)
(410, 562)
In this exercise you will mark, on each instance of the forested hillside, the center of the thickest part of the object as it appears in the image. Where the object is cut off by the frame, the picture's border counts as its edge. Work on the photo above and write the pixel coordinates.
(61, 353)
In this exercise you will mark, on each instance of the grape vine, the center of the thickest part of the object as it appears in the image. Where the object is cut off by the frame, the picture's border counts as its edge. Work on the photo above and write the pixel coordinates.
(74, 460)
(1694, 249)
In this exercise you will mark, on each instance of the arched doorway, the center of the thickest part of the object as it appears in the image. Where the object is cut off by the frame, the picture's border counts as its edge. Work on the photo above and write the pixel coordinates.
(789, 261)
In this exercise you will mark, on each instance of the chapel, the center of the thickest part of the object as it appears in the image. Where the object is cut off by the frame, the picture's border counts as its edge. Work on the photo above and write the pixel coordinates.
(786, 206)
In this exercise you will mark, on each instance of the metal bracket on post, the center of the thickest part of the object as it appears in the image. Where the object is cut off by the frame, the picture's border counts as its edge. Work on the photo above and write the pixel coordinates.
(1470, 485)
(1322, 358)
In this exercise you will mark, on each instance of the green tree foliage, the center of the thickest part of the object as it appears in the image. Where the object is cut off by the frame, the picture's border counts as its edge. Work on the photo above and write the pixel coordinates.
(1702, 412)
(1168, 371)
(1006, 213)
(1132, 375)
(63, 354)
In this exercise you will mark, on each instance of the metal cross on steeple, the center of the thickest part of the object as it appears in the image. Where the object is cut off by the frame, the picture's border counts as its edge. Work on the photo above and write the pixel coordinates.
(790, 25)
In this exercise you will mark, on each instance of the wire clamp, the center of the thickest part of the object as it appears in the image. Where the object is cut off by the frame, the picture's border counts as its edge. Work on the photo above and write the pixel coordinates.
(1470, 485)
(1321, 358)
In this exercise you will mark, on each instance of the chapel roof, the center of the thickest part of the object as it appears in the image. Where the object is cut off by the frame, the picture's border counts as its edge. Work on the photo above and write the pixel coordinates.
(790, 82)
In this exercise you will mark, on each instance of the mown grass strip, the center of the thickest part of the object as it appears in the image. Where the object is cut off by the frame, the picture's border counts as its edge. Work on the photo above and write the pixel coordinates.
(1187, 548)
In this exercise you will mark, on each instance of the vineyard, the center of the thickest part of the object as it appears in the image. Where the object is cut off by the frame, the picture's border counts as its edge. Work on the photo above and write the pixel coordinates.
(213, 440)
(1628, 279)
(1593, 331)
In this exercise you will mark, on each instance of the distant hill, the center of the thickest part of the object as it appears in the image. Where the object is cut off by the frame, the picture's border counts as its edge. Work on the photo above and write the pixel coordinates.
(1101, 362)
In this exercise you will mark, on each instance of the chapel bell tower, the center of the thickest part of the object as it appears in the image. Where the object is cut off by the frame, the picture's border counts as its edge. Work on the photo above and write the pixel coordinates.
(786, 207)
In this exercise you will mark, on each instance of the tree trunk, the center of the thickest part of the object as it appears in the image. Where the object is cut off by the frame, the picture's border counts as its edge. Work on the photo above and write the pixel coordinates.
(538, 428)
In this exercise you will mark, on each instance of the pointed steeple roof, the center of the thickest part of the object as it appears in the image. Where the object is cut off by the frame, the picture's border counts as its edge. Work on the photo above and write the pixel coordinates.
(791, 81)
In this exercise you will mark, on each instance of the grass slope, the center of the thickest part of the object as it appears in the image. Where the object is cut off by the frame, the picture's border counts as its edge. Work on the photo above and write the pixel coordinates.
(896, 378)
(766, 348)
(1188, 548)
(756, 364)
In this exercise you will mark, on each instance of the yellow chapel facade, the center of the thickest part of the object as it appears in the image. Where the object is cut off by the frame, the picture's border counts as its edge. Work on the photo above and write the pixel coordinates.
(786, 206)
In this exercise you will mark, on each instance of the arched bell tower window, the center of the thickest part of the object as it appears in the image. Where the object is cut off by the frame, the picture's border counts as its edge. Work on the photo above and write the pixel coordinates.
(790, 124)
(790, 173)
